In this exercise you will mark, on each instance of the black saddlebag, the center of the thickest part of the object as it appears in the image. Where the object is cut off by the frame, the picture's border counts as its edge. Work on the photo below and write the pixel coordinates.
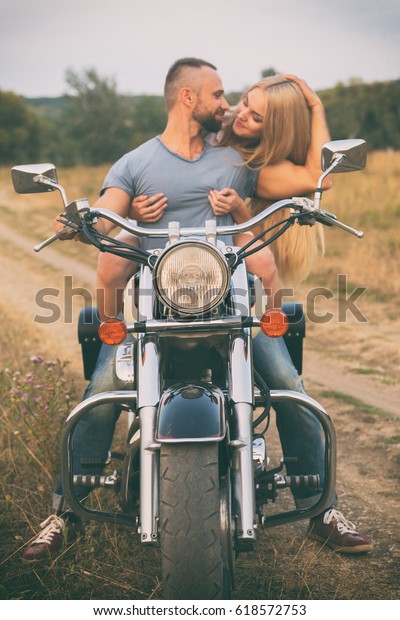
(88, 325)
(296, 332)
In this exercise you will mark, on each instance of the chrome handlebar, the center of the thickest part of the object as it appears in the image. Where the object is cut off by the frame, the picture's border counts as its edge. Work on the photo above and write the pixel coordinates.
(295, 204)
(186, 232)
(300, 205)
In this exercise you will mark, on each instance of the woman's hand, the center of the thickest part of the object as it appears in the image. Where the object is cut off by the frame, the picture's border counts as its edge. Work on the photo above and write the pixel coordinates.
(310, 96)
(144, 209)
(225, 201)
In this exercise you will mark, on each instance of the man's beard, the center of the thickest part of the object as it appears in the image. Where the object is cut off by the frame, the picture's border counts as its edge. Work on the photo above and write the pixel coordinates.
(207, 121)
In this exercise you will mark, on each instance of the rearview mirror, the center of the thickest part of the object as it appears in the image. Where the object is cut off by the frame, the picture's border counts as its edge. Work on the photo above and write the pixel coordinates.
(354, 151)
(33, 178)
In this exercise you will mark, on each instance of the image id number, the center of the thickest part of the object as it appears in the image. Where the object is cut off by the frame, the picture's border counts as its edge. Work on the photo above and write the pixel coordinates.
(271, 610)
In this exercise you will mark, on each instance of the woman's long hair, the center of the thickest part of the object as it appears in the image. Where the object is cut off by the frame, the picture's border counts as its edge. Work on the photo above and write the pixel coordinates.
(285, 135)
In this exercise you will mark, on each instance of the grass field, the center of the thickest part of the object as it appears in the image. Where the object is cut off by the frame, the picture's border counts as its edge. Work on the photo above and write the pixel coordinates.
(369, 201)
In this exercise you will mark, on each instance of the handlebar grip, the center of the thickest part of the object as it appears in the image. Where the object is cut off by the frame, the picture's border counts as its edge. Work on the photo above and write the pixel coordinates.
(328, 219)
(54, 237)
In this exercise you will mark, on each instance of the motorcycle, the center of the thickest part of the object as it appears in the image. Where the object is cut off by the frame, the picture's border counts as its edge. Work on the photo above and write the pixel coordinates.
(193, 478)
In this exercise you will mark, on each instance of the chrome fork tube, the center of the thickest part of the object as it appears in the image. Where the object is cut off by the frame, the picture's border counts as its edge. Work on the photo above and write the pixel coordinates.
(148, 388)
(241, 393)
(241, 397)
(149, 484)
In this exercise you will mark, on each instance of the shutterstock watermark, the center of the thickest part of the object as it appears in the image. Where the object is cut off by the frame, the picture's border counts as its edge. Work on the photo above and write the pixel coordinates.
(345, 303)
(57, 304)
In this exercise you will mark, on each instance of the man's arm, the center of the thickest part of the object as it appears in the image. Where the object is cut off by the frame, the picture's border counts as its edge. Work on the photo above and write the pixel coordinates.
(114, 199)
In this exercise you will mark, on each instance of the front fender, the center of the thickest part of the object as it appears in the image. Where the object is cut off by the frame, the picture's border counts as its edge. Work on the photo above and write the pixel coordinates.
(191, 413)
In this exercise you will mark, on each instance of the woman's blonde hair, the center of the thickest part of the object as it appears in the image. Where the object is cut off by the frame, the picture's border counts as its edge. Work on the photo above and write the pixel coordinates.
(285, 135)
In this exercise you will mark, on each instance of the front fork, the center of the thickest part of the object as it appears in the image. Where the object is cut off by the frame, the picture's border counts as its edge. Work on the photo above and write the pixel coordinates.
(241, 395)
(148, 368)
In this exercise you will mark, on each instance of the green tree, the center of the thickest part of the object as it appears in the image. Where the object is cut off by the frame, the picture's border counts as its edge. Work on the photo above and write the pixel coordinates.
(149, 117)
(369, 111)
(98, 123)
(20, 130)
(268, 72)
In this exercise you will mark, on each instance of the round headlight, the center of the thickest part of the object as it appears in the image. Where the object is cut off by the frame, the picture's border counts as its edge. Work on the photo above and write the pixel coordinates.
(191, 277)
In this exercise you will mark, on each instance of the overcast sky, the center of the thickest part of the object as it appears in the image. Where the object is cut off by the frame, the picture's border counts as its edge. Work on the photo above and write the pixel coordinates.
(135, 41)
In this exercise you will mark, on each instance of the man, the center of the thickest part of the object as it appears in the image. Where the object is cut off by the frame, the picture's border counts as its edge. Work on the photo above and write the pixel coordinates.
(183, 166)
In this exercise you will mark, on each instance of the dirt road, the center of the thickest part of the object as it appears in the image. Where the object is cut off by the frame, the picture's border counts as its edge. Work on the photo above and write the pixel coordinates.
(362, 402)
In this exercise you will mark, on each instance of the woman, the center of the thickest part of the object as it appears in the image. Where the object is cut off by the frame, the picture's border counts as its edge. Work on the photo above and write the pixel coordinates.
(278, 127)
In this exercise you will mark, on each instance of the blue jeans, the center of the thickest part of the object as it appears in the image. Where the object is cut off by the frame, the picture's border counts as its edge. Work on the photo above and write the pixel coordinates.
(299, 431)
(94, 432)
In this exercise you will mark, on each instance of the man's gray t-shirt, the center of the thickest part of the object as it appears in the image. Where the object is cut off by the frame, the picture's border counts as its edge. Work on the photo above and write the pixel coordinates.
(152, 168)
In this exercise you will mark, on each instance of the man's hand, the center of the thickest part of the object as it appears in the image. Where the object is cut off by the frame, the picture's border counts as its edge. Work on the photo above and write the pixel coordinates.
(144, 209)
(225, 201)
(68, 234)
(113, 199)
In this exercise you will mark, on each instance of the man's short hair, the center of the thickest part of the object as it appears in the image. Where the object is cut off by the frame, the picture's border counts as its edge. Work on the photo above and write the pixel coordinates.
(177, 72)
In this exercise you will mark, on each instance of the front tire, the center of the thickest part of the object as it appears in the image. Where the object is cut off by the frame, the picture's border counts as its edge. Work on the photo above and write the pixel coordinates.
(193, 565)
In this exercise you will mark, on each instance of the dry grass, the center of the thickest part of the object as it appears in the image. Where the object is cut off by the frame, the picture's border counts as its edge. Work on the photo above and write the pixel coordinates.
(369, 201)
(37, 393)
(32, 215)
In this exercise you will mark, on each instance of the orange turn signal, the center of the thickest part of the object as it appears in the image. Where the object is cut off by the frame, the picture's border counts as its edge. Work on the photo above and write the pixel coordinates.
(112, 331)
(274, 323)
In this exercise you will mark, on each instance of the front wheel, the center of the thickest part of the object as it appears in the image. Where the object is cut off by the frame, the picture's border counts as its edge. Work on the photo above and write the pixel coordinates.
(195, 531)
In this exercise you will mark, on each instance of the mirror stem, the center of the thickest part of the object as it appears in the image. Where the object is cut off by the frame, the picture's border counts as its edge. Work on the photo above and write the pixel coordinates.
(42, 180)
(336, 160)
